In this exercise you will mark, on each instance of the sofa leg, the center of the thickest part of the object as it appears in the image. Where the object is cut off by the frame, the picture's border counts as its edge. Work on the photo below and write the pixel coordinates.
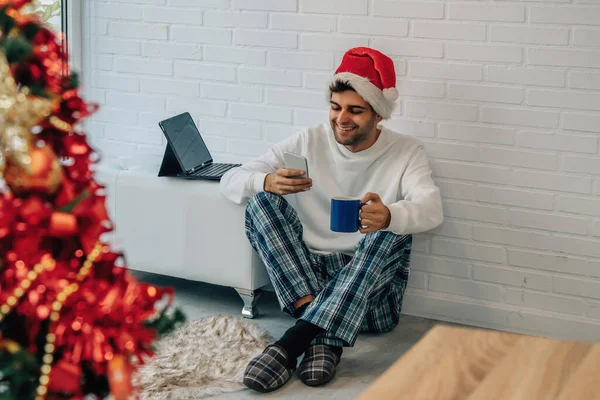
(249, 297)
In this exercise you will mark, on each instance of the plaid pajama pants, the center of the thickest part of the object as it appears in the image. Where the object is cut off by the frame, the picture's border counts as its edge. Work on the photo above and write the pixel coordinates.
(359, 293)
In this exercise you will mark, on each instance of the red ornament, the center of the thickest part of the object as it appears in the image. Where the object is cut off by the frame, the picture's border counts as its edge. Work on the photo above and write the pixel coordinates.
(65, 379)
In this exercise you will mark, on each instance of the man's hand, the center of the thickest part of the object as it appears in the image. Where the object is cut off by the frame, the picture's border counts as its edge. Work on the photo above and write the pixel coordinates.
(282, 182)
(375, 215)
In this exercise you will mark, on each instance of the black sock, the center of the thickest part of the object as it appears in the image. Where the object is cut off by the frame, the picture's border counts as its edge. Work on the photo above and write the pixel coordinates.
(300, 310)
(297, 339)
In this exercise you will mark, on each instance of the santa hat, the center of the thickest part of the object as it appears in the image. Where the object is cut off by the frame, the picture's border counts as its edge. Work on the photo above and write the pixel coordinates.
(371, 74)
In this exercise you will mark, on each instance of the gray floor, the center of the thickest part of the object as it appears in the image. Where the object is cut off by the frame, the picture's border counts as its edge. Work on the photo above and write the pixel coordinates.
(360, 365)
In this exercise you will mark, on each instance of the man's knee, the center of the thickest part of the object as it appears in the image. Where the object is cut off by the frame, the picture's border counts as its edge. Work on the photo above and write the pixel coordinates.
(260, 202)
(270, 210)
(379, 237)
(261, 198)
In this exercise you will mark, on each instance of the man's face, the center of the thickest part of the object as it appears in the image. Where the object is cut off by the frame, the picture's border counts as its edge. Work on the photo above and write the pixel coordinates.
(353, 121)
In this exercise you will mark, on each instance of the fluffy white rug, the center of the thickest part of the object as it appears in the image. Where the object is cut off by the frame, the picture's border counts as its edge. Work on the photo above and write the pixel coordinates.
(202, 358)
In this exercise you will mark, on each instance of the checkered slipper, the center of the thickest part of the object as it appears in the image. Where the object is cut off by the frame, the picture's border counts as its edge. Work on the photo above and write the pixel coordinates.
(269, 370)
(318, 365)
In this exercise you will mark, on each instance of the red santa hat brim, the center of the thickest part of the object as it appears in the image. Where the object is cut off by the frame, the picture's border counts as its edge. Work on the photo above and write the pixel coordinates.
(382, 101)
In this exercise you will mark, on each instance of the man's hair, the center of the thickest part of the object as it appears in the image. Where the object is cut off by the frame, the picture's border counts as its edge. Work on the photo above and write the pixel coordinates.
(340, 86)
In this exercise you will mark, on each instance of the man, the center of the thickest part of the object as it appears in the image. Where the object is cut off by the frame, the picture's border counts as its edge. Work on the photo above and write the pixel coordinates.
(337, 284)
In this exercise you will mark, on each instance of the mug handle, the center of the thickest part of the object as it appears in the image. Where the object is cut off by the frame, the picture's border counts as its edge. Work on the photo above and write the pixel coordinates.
(360, 205)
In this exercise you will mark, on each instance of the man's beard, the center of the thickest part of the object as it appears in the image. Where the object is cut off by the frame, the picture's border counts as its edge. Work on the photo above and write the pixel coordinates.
(362, 133)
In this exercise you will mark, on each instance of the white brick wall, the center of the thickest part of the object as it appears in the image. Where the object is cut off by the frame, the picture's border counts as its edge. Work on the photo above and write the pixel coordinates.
(505, 96)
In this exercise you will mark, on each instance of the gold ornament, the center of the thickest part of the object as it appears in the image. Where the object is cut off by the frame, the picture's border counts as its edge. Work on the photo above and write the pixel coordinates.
(19, 112)
(45, 173)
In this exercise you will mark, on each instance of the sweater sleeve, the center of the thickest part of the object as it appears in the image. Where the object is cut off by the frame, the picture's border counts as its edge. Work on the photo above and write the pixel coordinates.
(241, 183)
(420, 209)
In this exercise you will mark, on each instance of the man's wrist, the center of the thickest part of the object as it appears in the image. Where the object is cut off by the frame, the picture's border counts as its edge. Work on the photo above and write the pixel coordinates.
(389, 219)
(266, 183)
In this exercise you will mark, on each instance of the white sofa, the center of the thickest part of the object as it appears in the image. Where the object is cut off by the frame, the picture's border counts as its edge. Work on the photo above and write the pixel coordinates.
(181, 228)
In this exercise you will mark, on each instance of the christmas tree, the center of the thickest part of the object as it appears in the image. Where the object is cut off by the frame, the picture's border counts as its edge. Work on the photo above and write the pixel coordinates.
(73, 321)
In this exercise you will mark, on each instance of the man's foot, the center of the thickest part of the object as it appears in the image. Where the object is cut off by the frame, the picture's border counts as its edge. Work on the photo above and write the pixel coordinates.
(318, 365)
(269, 370)
(297, 339)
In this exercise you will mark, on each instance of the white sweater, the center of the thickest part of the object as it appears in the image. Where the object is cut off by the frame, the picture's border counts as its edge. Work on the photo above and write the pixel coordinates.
(395, 167)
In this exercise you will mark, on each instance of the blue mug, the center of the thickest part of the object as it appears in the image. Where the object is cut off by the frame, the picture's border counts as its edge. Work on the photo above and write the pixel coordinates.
(345, 214)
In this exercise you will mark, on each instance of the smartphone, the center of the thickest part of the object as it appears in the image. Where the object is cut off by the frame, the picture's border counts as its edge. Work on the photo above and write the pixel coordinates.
(294, 161)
